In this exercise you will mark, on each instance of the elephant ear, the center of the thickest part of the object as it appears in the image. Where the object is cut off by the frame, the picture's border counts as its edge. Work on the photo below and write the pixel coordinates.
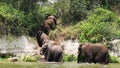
(38, 33)
(80, 45)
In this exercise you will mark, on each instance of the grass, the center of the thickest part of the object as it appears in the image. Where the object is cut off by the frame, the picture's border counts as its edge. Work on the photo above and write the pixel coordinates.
(114, 59)
(69, 58)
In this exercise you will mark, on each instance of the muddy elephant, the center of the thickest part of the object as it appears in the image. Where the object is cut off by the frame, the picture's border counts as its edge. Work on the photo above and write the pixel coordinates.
(41, 38)
(49, 24)
(52, 53)
(96, 53)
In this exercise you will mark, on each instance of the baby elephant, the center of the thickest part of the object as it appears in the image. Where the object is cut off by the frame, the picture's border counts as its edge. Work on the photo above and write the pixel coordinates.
(52, 53)
(96, 53)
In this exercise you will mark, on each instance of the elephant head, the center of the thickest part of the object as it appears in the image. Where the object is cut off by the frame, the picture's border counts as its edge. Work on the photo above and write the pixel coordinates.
(44, 50)
(81, 53)
(41, 38)
(54, 18)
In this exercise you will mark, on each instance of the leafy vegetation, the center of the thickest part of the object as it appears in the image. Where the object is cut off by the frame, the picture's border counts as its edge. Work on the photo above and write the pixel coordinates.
(101, 26)
(113, 59)
(28, 58)
(69, 58)
(27, 16)
(22, 17)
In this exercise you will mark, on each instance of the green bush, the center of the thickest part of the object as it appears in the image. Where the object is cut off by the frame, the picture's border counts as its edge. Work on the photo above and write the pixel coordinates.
(11, 20)
(113, 59)
(29, 58)
(69, 58)
(102, 24)
(18, 18)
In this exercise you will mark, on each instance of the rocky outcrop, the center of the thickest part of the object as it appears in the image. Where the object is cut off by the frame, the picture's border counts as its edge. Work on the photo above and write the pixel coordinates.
(115, 47)
(71, 47)
(18, 46)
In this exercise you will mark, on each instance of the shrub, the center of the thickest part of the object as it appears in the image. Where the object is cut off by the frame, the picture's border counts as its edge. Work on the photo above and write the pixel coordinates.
(69, 58)
(101, 24)
(29, 59)
(113, 59)
(11, 20)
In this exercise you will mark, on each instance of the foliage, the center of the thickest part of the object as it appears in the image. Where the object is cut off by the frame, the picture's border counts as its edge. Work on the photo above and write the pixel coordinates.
(11, 20)
(69, 58)
(28, 58)
(14, 3)
(62, 8)
(26, 16)
(4, 57)
(100, 26)
(113, 59)
(78, 9)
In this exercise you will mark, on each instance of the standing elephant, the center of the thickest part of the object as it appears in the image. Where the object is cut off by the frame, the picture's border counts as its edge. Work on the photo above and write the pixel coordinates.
(52, 52)
(54, 18)
(49, 24)
(96, 53)
(41, 38)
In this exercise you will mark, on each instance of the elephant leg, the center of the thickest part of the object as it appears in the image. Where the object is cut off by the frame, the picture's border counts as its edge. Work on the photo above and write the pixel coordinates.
(89, 57)
(57, 57)
(106, 58)
(78, 59)
(99, 57)
(60, 58)
(48, 57)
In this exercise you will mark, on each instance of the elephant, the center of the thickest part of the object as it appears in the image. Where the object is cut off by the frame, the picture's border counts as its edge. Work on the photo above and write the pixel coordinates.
(41, 38)
(96, 53)
(54, 18)
(52, 52)
(49, 24)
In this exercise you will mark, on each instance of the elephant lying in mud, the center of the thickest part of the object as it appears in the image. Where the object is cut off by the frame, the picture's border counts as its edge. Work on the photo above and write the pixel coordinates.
(96, 53)
(41, 38)
(52, 53)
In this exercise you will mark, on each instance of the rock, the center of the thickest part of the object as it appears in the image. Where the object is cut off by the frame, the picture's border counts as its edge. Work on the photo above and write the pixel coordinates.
(115, 47)
(71, 47)
(17, 45)
(13, 59)
(3, 55)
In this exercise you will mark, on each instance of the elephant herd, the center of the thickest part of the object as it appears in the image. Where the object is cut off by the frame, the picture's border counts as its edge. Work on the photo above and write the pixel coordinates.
(49, 48)
(53, 52)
